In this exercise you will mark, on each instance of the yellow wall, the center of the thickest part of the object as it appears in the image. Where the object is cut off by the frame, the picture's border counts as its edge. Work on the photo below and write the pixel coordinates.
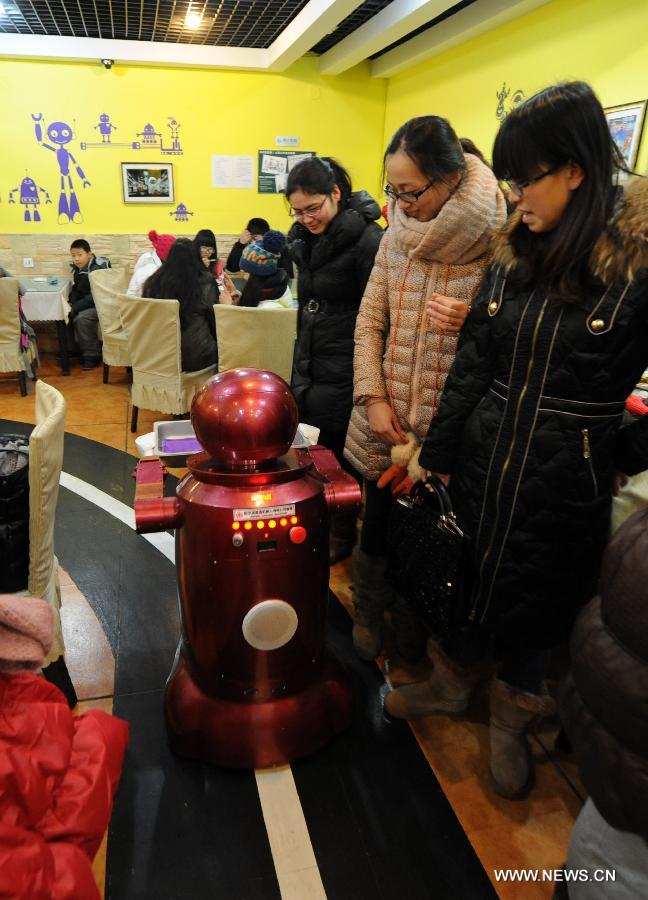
(598, 41)
(220, 112)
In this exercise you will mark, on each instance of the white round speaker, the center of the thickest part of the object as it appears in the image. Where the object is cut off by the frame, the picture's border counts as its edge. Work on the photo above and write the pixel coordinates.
(270, 624)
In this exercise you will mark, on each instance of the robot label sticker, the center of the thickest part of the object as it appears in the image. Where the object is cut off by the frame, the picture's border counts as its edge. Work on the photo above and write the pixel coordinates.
(266, 512)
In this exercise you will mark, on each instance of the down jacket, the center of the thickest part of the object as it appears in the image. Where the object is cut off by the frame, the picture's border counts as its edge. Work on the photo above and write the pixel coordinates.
(604, 702)
(333, 269)
(530, 427)
(394, 348)
(58, 775)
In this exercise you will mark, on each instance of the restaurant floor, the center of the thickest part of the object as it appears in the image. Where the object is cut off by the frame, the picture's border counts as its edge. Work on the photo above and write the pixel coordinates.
(384, 811)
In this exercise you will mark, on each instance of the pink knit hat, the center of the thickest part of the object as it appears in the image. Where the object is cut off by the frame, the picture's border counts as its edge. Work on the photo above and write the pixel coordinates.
(26, 632)
(161, 242)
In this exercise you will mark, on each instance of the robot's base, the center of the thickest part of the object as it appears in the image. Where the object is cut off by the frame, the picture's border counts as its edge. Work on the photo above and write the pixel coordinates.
(255, 735)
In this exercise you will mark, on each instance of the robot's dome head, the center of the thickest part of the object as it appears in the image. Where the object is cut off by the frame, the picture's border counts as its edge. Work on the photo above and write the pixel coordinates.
(28, 182)
(182, 207)
(59, 133)
(103, 117)
(245, 415)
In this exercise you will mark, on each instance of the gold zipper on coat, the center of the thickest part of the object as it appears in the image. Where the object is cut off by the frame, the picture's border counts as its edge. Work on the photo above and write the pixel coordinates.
(507, 461)
(587, 454)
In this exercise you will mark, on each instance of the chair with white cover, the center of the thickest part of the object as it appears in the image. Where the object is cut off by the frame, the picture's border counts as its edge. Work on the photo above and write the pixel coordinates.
(13, 357)
(249, 337)
(107, 285)
(45, 465)
(153, 334)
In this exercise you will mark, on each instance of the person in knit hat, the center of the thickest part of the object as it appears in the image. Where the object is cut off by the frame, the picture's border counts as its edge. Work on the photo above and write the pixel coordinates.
(267, 283)
(150, 261)
(26, 632)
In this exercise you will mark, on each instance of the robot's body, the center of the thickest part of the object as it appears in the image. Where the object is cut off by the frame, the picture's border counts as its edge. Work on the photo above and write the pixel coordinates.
(29, 197)
(252, 685)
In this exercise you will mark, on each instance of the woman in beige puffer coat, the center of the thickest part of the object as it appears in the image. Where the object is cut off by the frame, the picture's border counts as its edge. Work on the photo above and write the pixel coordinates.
(445, 204)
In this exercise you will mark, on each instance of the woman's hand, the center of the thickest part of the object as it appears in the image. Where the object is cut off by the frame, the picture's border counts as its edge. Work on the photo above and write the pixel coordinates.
(245, 237)
(446, 313)
(620, 481)
(382, 424)
(425, 474)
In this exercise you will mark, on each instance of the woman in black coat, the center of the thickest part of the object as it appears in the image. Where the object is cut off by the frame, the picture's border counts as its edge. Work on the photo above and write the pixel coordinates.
(180, 277)
(529, 429)
(333, 242)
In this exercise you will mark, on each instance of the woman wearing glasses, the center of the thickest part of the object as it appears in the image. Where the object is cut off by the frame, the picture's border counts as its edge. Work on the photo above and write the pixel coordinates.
(444, 204)
(333, 243)
(530, 426)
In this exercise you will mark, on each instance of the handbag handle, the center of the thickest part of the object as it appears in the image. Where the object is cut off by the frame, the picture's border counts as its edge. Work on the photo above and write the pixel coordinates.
(420, 494)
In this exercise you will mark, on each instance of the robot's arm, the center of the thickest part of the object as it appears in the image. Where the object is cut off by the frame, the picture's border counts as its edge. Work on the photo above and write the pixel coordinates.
(47, 196)
(39, 131)
(79, 172)
(11, 193)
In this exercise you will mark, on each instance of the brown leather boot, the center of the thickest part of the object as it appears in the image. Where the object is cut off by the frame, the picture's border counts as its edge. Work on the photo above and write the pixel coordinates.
(371, 596)
(446, 691)
(513, 712)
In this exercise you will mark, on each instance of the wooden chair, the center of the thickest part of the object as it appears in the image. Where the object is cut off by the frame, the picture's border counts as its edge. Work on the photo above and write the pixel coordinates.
(153, 334)
(256, 338)
(13, 358)
(107, 286)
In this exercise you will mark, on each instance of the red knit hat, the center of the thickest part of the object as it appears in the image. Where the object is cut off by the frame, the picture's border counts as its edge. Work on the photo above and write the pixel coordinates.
(161, 242)
(26, 632)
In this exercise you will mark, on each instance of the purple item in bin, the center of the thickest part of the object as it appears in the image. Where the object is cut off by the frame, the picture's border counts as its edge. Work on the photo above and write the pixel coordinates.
(181, 445)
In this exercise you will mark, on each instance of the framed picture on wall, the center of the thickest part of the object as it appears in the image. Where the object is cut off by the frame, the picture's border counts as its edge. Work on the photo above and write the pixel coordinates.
(147, 182)
(625, 124)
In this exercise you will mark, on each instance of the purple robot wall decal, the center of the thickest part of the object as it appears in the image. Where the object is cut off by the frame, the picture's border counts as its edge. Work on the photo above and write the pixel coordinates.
(29, 197)
(60, 133)
(181, 213)
(105, 128)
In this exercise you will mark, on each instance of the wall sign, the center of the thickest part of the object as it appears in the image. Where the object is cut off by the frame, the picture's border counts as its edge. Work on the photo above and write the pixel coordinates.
(274, 166)
(287, 140)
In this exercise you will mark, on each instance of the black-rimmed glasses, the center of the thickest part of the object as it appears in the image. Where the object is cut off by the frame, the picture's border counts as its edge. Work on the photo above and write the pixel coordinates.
(517, 187)
(309, 213)
(406, 196)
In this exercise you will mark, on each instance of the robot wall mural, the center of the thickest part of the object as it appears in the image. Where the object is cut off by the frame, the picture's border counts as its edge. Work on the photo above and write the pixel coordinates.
(61, 134)
(29, 198)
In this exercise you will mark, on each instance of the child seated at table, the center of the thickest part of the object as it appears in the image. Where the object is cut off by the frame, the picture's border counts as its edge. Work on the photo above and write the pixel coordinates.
(268, 282)
(83, 314)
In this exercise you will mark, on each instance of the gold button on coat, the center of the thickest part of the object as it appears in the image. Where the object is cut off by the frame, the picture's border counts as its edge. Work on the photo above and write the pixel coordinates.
(598, 325)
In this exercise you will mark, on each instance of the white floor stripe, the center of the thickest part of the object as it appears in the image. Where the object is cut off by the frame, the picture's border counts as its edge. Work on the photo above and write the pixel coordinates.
(292, 851)
(162, 541)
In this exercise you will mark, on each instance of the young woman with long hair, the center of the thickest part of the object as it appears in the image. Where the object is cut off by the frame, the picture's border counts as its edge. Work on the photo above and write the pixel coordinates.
(530, 428)
(181, 278)
(333, 242)
(444, 205)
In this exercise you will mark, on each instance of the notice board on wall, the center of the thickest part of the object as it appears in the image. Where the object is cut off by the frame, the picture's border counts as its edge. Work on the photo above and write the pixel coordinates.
(274, 166)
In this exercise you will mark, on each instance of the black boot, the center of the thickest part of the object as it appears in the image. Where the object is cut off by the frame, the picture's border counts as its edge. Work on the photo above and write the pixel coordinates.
(57, 673)
(342, 537)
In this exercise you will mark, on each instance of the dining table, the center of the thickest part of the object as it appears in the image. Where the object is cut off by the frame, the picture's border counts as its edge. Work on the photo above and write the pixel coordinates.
(45, 299)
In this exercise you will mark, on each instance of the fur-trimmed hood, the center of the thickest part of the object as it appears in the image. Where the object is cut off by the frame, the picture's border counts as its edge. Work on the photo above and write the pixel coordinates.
(622, 249)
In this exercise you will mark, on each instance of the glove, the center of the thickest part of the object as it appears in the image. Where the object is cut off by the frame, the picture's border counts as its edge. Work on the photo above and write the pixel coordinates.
(393, 476)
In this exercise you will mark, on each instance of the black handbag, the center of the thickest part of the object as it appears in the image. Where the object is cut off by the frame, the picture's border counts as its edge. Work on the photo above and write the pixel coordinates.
(424, 560)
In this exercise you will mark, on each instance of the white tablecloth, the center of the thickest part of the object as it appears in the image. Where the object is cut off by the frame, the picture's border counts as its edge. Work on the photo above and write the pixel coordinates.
(44, 302)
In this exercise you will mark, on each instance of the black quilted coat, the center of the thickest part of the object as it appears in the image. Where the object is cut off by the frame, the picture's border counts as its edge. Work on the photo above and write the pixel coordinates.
(604, 703)
(333, 272)
(530, 427)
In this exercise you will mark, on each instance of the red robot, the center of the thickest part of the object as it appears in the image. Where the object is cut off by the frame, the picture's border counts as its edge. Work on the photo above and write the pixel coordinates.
(252, 685)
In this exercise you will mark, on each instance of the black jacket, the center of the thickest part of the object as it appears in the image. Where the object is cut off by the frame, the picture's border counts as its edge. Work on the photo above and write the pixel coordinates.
(333, 270)
(604, 702)
(530, 427)
(233, 263)
(80, 294)
(266, 287)
(198, 329)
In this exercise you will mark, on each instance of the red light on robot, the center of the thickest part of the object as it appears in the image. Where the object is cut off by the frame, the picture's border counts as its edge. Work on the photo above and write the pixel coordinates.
(272, 524)
(236, 526)
(247, 526)
(297, 535)
(283, 522)
(294, 520)
(260, 524)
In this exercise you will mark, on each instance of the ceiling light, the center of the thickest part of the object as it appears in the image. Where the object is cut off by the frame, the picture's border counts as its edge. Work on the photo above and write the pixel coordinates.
(193, 21)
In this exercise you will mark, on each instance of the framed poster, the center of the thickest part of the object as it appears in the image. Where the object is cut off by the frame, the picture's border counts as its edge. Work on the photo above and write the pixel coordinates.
(147, 182)
(625, 124)
(274, 166)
